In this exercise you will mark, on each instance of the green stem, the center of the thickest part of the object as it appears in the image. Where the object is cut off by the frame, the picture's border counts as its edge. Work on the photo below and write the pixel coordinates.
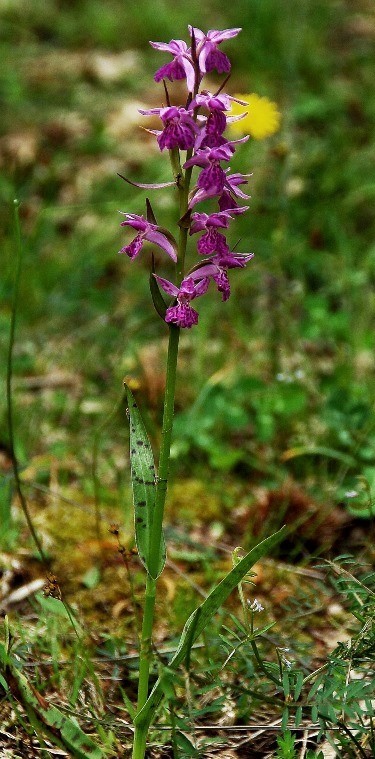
(157, 522)
(166, 438)
(145, 652)
(9, 377)
(141, 731)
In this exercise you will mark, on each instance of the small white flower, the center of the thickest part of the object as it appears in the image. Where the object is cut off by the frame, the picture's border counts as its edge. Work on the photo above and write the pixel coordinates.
(351, 494)
(255, 605)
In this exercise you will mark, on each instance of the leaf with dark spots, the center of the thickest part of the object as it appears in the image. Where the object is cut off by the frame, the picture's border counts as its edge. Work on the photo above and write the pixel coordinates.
(144, 489)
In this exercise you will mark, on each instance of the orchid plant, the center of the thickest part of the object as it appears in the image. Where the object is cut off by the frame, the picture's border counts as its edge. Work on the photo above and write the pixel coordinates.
(193, 134)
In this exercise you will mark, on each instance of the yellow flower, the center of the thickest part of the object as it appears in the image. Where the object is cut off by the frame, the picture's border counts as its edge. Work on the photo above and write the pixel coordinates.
(262, 120)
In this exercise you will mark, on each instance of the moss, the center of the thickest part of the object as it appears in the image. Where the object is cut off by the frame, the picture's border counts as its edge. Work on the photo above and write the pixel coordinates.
(190, 501)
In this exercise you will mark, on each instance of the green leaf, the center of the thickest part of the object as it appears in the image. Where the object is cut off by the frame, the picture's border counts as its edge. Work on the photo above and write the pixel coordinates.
(298, 686)
(52, 605)
(185, 744)
(132, 711)
(143, 484)
(3, 683)
(298, 717)
(286, 684)
(285, 718)
(202, 615)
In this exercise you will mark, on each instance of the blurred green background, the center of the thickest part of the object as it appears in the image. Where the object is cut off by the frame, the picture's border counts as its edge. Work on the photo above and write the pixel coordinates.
(278, 383)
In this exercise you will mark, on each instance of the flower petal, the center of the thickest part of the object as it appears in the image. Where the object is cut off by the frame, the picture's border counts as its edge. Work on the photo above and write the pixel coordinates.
(169, 287)
(159, 239)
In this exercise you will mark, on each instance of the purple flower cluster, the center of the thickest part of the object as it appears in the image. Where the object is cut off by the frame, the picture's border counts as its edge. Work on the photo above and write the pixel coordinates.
(197, 127)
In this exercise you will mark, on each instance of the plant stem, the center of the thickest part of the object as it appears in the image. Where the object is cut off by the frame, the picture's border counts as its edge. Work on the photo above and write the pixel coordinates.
(157, 526)
(9, 377)
(141, 731)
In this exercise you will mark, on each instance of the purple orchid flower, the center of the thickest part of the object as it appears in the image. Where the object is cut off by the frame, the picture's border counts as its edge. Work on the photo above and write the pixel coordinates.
(213, 241)
(181, 67)
(146, 231)
(208, 54)
(217, 269)
(229, 260)
(212, 178)
(231, 191)
(216, 122)
(180, 129)
(182, 314)
(218, 274)
(219, 102)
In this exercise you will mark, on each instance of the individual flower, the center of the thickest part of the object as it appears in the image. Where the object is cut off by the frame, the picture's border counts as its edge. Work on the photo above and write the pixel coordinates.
(230, 260)
(255, 605)
(205, 99)
(182, 314)
(211, 135)
(146, 231)
(215, 123)
(217, 181)
(181, 67)
(212, 241)
(231, 191)
(262, 119)
(208, 54)
(212, 178)
(217, 273)
(180, 129)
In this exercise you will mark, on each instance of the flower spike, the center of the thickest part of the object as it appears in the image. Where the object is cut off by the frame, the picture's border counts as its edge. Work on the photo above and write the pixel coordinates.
(197, 127)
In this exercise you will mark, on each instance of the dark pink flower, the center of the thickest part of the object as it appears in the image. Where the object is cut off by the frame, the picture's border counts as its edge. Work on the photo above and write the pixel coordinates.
(181, 67)
(180, 129)
(208, 54)
(215, 124)
(229, 260)
(218, 274)
(146, 231)
(211, 102)
(182, 314)
(212, 178)
(231, 191)
(212, 241)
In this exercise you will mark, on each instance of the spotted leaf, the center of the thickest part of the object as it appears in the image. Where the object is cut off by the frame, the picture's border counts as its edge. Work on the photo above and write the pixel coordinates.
(143, 475)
